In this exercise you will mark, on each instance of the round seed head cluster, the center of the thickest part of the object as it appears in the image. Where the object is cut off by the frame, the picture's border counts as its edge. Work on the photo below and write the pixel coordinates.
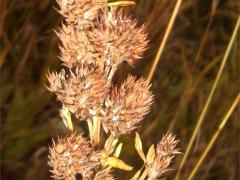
(82, 92)
(127, 106)
(165, 152)
(75, 48)
(72, 155)
(81, 13)
(117, 39)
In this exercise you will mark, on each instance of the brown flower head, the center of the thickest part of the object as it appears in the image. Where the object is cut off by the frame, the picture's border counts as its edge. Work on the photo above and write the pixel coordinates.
(117, 39)
(75, 48)
(165, 152)
(103, 174)
(81, 13)
(72, 155)
(127, 106)
(82, 92)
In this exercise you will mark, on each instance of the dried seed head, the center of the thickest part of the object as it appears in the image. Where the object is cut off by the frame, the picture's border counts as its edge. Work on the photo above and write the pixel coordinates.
(117, 39)
(103, 174)
(81, 13)
(165, 152)
(167, 145)
(127, 106)
(75, 49)
(72, 155)
(82, 92)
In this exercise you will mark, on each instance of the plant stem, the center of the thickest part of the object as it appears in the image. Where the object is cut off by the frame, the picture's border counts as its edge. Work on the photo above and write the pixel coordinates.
(215, 136)
(164, 40)
(204, 38)
(203, 114)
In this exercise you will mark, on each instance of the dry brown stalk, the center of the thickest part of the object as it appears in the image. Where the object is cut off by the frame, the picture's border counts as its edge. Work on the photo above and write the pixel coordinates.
(95, 39)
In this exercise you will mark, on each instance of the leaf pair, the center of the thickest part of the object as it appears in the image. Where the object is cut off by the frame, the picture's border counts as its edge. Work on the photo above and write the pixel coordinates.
(151, 155)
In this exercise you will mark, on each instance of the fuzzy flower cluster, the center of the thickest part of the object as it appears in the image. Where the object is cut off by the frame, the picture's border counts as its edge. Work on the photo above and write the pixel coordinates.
(95, 39)
(74, 155)
(165, 152)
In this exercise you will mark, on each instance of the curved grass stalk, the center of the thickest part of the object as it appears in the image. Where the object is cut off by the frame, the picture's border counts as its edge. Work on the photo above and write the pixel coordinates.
(215, 136)
(204, 112)
(164, 40)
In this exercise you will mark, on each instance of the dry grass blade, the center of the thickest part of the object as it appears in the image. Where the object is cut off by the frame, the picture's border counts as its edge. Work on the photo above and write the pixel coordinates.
(205, 109)
(165, 37)
(122, 3)
(215, 136)
(204, 38)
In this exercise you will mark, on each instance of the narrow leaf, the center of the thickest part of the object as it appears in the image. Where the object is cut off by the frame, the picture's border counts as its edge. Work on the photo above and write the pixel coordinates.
(66, 117)
(118, 150)
(90, 128)
(105, 128)
(151, 154)
(108, 142)
(138, 146)
(136, 175)
(96, 130)
(121, 3)
(117, 163)
(144, 175)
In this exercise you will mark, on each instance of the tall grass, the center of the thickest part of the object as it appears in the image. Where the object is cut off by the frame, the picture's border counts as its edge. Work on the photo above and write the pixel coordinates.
(206, 106)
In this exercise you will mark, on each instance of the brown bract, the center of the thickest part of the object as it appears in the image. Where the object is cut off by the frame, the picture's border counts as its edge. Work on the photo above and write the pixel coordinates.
(127, 105)
(75, 48)
(117, 38)
(81, 91)
(81, 13)
(103, 175)
(72, 155)
(165, 152)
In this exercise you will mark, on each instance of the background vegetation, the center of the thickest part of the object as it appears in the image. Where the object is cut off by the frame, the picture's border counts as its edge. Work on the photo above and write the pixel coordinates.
(181, 83)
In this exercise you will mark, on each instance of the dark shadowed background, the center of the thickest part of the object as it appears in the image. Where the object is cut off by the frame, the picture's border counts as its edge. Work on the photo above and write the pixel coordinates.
(181, 83)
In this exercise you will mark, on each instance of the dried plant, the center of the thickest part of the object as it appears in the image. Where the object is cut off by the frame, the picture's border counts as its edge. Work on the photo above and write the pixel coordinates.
(127, 106)
(96, 38)
(72, 155)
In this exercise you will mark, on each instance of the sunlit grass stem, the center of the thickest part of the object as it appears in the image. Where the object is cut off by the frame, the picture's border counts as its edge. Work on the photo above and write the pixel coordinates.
(164, 40)
(205, 109)
(215, 136)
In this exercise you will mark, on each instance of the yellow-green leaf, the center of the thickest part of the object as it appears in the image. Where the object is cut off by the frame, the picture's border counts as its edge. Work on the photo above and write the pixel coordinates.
(144, 175)
(118, 150)
(117, 163)
(136, 175)
(121, 3)
(151, 154)
(138, 146)
(114, 143)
